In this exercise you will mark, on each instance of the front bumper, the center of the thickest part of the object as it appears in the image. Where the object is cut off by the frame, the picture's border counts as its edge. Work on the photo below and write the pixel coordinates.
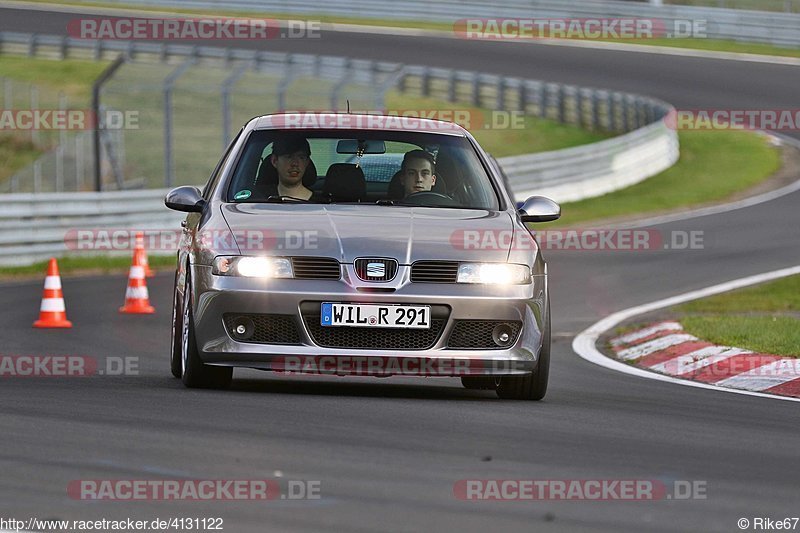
(216, 296)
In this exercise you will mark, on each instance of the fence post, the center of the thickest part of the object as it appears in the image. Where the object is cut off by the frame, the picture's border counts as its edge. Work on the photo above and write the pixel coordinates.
(8, 94)
(283, 85)
(169, 84)
(96, 87)
(34, 101)
(227, 86)
(339, 85)
(79, 167)
(37, 175)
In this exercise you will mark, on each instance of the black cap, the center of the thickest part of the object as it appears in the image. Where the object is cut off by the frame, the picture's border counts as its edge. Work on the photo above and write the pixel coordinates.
(290, 145)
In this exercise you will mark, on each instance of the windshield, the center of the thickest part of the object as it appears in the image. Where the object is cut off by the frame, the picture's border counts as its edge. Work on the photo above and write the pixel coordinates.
(390, 168)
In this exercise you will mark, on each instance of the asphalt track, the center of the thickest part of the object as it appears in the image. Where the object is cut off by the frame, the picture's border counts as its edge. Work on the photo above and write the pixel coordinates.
(388, 452)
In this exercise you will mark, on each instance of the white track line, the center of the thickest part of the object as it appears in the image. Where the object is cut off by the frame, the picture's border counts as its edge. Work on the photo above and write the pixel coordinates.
(584, 342)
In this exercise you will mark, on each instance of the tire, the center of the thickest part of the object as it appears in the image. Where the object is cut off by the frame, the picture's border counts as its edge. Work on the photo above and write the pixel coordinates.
(532, 386)
(195, 373)
(479, 382)
(175, 337)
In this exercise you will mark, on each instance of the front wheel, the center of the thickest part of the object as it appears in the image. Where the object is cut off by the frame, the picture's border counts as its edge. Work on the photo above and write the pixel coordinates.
(175, 339)
(531, 386)
(195, 373)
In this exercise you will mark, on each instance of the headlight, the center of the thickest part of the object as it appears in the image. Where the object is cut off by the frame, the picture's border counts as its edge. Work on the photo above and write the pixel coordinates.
(495, 273)
(253, 267)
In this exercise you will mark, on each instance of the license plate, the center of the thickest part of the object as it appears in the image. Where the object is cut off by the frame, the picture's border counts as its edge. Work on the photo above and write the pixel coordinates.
(376, 316)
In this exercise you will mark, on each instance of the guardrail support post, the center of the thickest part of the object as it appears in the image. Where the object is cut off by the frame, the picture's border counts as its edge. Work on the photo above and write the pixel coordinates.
(425, 82)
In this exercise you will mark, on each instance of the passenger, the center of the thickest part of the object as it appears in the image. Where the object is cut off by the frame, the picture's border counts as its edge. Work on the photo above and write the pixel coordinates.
(418, 172)
(290, 157)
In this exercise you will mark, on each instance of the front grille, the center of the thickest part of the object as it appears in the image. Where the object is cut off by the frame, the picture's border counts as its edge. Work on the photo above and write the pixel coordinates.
(374, 338)
(434, 272)
(477, 334)
(316, 268)
(269, 329)
(366, 269)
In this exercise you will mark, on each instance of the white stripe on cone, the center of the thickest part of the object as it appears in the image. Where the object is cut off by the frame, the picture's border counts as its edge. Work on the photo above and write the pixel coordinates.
(52, 282)
(52, 305)
(655, 345)
(137, 272)
(136, 293)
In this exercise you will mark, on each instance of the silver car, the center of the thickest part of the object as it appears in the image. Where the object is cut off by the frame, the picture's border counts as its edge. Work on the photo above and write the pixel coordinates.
(318, 246)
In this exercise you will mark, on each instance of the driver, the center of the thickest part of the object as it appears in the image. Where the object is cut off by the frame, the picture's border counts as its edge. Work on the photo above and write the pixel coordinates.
(290, 157)
(418, 172)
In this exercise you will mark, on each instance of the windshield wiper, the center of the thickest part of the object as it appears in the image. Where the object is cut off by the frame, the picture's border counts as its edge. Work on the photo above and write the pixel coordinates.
(285, 199)
(385, 202)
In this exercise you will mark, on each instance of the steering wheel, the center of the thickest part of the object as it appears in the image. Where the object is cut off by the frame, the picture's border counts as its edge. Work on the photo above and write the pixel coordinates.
(429, 198)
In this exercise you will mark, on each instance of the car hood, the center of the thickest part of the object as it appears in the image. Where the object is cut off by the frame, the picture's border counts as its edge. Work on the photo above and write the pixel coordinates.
(346, 231)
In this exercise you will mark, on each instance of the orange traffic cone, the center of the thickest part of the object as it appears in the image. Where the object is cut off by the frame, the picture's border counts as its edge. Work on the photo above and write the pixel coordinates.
(52, 313)
(139, 249)
(137, 299)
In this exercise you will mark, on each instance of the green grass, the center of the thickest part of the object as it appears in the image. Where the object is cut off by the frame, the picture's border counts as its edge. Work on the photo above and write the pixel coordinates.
(15, 153)
(713, 166)
(764, 318)
(716, 45)
(83, 264)
(777, 335)
(778, 296)
(73, 78)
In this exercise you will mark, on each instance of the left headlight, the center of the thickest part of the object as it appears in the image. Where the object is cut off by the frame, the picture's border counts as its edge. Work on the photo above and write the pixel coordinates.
(253, 267)
(494, 273)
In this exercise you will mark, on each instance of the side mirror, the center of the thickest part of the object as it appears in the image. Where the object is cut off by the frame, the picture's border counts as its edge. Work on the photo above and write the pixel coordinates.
(539, 209)
(186, 199)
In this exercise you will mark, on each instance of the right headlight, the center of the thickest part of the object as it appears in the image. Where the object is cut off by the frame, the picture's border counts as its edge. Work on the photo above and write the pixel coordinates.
(494, 273)
(253, 266)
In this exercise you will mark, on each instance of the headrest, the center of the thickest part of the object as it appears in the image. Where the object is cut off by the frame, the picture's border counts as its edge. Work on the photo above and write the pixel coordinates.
(345, 183)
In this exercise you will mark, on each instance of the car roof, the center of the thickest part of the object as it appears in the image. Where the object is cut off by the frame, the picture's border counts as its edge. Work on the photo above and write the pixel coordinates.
(355, 121)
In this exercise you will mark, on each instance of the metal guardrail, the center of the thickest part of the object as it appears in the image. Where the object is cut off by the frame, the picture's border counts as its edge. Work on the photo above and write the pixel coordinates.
(36, 226)
(782, 29)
